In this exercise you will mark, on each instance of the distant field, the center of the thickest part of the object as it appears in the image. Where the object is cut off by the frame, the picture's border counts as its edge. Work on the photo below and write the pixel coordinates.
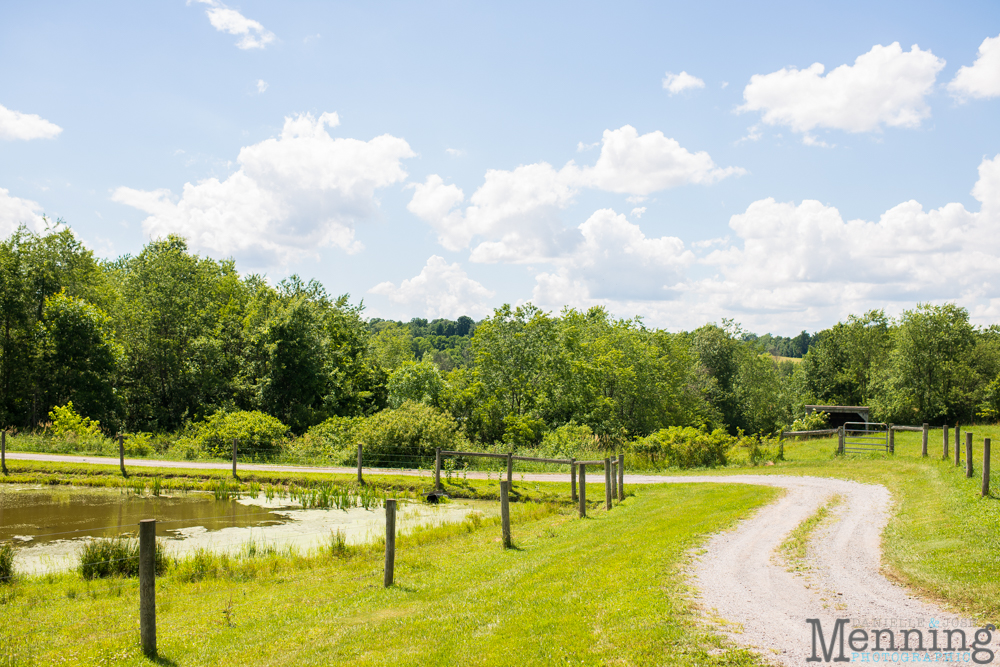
(795, 360)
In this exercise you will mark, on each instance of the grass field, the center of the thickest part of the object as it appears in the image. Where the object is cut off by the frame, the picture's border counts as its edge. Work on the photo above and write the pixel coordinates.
(605, 590)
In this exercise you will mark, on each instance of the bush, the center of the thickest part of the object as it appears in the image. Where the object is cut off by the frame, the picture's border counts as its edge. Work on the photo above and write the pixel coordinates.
(407, 434)
(334, 441)
(522, 431)
(685, 447)
(811, 422)
(757, 450)
(257, 434)
(116, 556)
(567, 441)
(66, 421)
(7, 551)
(138, 444)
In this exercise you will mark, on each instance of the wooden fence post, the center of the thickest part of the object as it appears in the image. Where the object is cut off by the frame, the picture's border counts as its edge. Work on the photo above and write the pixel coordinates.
(510, 470)
(3, 452)
(621, 477)
(958, 445)
(437, 469)
(147, 586)
(614, 478)
(840, 439)
(923, 447)
(121, 454)
(505, 513)
(968, 455)
(583, 491)
(572, 479)
(607, 484)
(986, 467)
(234, 459)
(390, 541)
(892, 440)
(360, 479)
(945, 431)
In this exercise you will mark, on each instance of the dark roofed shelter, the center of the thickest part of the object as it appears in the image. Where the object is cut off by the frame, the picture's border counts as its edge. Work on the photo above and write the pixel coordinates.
(841, 414)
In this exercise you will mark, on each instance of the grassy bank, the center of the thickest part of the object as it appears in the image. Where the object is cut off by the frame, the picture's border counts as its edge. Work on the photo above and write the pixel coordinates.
(174, 480)
(602, 590)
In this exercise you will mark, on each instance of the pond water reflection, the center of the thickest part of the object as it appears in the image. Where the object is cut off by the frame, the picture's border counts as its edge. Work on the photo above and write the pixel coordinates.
(51, 523)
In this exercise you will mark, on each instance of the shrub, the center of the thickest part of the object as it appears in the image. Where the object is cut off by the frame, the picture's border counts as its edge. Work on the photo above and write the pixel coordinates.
(811, 422)
(7, 551)
(407, 434)
(116, 556)
(334, 440)
(138, 444)
(522, 431)
(685, 447)
(257, 433)
(758, 450)
(567, 441)
(66, 421)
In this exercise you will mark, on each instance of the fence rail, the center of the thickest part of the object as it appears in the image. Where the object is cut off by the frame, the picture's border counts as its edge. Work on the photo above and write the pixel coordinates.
(795, 434)
(865, 437)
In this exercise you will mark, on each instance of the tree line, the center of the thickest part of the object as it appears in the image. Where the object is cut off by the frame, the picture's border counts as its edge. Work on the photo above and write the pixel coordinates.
(165, 338)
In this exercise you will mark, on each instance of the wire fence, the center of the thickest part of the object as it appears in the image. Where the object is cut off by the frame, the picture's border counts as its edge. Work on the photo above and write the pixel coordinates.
(147, 557)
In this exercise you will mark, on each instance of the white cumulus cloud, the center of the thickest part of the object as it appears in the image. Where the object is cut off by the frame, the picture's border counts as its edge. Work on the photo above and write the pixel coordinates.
(261, 85)
(796, 264)
(252, 34)
(515, 214)
(640, 165)
(439, 290)
(677, 83)
(16, 125)
(292, 194)
(982, 78)
(884, 87)
(15, 212)
(614, 262)
(789, 266)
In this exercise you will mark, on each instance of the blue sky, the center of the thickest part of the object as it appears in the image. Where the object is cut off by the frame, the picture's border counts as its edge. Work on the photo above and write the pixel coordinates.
(441, 159)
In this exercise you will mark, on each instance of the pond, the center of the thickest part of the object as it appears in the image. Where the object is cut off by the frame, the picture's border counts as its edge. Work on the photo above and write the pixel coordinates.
(50, 524)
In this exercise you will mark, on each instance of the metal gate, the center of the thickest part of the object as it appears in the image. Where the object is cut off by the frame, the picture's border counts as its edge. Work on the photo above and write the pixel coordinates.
(866, 437)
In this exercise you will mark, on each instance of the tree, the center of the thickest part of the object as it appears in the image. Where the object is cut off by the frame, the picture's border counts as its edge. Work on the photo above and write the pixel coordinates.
(391, 347)
(34, 267)
(78, 358)
(929, 366)
(419, 382)
(170, 302)
(514, 356)
(291, 379)
(845, 362)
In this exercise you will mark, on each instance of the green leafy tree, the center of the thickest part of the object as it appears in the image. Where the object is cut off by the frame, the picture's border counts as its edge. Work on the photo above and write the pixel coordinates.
(170, 302)
(929, 371)
(392, 347)
(415, 381)
(78, 358)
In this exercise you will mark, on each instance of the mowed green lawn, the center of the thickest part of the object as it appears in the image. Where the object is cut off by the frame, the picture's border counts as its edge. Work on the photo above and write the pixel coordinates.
(607, 590)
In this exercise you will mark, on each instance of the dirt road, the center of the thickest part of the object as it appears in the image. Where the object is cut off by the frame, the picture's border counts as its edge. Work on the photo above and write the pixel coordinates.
(743, 586)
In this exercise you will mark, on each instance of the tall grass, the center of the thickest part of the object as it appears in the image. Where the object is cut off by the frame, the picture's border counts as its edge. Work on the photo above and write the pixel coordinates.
(116, 556)
(7, 551)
